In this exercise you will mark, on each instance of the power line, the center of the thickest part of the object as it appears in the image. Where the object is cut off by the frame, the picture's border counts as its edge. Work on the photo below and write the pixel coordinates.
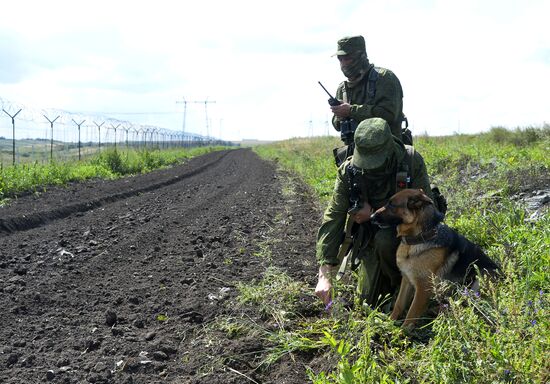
(131, 113)
(205, 102)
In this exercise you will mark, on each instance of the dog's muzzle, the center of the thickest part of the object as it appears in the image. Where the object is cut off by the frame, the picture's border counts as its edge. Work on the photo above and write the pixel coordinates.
(376, 221)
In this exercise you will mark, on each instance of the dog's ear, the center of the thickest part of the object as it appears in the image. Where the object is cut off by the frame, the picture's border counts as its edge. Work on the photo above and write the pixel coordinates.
(419, 200)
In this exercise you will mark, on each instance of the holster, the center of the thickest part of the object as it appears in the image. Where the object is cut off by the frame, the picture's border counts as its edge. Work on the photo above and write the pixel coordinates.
(351, 247)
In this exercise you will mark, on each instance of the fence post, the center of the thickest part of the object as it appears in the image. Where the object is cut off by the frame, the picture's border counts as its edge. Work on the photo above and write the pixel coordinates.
(115, 128)
(51, 140)
(13, 131)
(135, 137)
(99, 134)
(79, 136)
(126, 128)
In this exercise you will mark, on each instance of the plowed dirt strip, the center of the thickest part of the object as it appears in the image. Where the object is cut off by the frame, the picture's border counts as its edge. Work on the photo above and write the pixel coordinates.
(118, 289)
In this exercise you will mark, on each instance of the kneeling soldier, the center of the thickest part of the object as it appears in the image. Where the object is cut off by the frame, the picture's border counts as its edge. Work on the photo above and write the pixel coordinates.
(381, 165)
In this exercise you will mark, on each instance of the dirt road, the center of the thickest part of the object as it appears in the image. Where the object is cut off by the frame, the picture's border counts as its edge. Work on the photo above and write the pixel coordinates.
(116, 281)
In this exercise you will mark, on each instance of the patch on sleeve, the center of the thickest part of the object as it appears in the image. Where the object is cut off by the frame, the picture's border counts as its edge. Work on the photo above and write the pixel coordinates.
(381, 71)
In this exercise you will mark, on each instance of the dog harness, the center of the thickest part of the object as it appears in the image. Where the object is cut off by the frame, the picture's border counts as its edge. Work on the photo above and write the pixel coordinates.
(441, 235)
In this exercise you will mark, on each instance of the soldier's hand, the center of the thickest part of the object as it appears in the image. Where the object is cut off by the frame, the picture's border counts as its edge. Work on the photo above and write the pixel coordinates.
(324, 284)
(342, 111)
(363, 214)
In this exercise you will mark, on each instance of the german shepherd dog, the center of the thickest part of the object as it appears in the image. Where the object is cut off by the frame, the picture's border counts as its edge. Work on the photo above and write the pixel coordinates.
(428, 249)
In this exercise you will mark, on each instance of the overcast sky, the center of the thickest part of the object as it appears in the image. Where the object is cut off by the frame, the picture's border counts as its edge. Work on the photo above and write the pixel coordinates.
(464, 65)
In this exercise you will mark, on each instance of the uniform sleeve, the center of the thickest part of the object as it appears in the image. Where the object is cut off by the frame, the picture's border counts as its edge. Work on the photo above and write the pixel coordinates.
(387, 101)
(329, 236)
(335, 123)
(339, 95)
(420, 179)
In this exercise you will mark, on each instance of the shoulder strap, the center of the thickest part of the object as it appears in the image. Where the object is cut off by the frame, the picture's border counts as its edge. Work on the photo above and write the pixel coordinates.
(410, 157)
(344, 92)
(371, 85)
(404, 175)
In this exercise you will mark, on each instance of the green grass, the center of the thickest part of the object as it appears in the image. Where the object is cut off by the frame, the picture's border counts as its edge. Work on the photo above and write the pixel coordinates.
(499, 336)
(309, 158)
(277, 298)
(40, 150)
(37, 177)
(275, 294)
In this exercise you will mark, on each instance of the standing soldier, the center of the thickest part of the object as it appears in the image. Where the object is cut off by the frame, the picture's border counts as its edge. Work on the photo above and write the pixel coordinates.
(368, 92)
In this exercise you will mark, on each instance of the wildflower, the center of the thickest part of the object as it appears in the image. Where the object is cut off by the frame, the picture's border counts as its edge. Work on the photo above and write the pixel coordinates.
(328, 306)
(506, 372)
(533, 322)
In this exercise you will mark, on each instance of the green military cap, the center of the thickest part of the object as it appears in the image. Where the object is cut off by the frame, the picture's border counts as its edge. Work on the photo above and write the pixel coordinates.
(350, 44)
(373, 144)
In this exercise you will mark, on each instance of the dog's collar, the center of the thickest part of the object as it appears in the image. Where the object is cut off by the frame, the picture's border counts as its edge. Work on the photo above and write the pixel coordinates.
(423, 237)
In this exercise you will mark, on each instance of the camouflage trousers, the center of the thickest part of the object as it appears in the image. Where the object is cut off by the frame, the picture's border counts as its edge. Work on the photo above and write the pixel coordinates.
(377, 273)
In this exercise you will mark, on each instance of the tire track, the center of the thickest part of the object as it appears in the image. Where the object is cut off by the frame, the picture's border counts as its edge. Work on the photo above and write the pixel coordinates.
(123, 293)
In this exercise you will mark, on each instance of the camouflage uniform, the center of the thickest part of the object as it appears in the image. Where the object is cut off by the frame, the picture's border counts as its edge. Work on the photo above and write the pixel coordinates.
(388, 98)
(379, 155)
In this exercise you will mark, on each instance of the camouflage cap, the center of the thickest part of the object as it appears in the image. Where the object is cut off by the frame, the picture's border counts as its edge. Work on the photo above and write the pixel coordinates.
(350, 44)
(373, 144)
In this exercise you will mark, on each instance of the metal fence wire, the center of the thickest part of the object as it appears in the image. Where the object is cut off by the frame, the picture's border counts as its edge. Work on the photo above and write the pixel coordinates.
(45, 135)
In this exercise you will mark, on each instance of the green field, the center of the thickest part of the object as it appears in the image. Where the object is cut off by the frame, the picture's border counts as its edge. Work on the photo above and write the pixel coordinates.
(499, 336)
(43, 150)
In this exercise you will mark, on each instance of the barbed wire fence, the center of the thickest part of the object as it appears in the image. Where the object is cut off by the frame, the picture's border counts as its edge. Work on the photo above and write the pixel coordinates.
(28, 134)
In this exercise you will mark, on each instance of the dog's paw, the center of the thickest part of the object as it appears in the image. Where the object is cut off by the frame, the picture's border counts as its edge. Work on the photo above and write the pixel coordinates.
(394, 315)
(408, 325)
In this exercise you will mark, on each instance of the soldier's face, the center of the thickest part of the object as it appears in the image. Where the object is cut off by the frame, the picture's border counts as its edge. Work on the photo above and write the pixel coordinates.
(345, 60)
(388, 166)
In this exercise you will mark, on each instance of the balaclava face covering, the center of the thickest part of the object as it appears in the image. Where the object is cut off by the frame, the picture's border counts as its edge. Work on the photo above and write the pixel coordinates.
(355, 70)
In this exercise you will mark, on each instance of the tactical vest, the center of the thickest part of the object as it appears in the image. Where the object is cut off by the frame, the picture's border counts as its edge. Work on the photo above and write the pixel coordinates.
(370, 91)
(370, 85)
(359, 182)
(404, 176)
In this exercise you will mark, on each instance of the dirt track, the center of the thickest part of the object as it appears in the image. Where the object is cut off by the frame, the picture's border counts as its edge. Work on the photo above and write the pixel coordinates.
(115, 281)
